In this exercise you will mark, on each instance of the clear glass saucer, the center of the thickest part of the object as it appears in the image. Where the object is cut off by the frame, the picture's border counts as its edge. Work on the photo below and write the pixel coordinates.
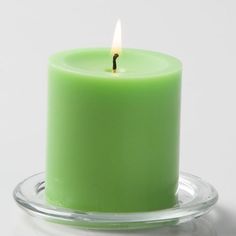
(195, 198)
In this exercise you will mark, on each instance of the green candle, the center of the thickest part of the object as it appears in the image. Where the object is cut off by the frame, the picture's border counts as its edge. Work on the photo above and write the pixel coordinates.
(113, 138)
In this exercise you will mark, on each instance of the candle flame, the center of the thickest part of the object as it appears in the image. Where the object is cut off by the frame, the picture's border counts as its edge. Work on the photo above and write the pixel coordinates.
(116, 44)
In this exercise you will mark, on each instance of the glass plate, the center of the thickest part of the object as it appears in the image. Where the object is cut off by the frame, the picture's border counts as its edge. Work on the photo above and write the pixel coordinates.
(195, 198)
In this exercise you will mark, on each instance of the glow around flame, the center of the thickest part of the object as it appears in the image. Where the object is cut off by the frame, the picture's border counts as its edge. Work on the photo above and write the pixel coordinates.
(116, 44)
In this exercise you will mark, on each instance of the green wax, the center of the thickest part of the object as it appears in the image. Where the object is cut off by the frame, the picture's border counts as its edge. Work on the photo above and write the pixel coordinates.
(113, 138)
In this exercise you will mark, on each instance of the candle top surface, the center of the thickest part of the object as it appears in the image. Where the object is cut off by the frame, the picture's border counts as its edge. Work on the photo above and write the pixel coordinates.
(132, 63)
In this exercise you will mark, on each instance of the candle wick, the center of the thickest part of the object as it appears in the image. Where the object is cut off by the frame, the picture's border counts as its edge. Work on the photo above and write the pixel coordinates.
(114, 65)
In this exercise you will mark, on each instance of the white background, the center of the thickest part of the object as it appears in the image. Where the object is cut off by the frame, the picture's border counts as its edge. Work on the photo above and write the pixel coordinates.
(201, 33)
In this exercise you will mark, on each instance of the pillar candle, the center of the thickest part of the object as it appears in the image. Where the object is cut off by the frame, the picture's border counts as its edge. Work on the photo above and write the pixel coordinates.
(113, 138)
